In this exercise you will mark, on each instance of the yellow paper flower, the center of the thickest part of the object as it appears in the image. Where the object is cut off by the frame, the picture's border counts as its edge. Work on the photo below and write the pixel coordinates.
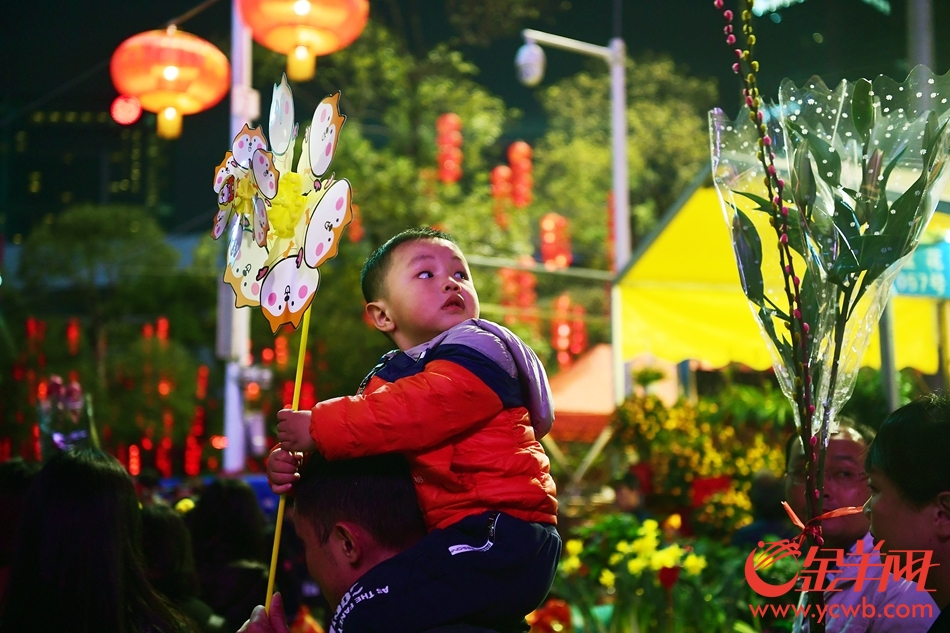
(287, 206)
(607, 578)
(574, 547)
(694, 565)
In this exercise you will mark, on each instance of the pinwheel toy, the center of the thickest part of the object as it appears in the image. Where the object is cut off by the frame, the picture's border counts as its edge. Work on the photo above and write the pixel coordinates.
(282, 222)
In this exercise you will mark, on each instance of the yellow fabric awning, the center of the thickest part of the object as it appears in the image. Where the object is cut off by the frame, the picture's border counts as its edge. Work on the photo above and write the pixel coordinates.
(681, 299)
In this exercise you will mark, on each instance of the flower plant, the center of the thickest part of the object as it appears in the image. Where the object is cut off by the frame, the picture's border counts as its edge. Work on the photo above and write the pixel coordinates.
(844, 181)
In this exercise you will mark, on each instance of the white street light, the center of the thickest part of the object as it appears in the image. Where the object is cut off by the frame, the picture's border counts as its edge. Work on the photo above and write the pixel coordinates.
(530, 63)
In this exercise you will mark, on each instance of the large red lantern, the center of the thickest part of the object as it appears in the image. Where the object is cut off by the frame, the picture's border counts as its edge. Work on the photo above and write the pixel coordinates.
(522, 182)
(172, 73)
(305, 29)
(449, 141)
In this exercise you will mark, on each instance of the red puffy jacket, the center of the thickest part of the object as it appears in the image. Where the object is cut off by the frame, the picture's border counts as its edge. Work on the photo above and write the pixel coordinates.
(460, 420)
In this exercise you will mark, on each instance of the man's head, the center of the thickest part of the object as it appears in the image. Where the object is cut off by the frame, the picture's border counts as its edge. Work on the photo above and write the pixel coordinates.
(352, 515)
(845, 483)
(908, 466)
(417, 285)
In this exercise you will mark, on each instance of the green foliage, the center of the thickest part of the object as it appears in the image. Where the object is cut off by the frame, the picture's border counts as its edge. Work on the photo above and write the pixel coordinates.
(666, 118)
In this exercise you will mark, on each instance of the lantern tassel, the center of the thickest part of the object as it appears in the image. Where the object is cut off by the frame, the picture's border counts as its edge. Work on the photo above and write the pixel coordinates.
(298, 379)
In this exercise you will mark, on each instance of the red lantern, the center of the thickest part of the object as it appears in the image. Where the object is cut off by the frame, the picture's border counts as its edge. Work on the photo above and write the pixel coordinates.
(356, 231)
(555, 241)
(578, 330)
(72, 336)
(522, 182)
(501, 182)
(561, 330)
(305, 29)
(449, 142)
(171, 73)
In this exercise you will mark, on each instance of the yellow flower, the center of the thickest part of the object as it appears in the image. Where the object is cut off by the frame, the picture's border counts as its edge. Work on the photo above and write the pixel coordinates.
(574, 547)
(624, 547)
(185, 505)
(645, 545)
(570, 564)
(649, 526)
(614, 559)
(666, 557)
(607, 578)
(674, 522)
(636, 565)
(694, 565)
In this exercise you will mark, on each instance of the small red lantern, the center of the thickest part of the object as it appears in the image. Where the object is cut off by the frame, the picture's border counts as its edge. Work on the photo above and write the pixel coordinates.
(171, 73)
(449, 141)
(555, 241)
(72, 336)
(522, 182)
(125, 110)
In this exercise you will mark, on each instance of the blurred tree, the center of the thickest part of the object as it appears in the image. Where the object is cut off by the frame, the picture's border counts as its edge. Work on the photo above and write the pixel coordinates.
(666, 147)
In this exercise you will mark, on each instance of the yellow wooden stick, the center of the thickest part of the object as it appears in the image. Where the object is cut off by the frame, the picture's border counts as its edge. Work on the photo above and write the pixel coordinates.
(301, 355)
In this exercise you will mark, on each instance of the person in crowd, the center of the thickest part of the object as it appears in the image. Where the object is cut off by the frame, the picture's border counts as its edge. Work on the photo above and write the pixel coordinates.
(846, 485)
(15, 477)
(227, 532)
(77, 564)
(353, 516)
(908, 467)
(465, 400)
(769, 517)
(170, 564)
(628, 496)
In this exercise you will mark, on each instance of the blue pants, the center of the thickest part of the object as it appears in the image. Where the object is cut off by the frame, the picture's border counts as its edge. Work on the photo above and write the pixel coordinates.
(488, 570)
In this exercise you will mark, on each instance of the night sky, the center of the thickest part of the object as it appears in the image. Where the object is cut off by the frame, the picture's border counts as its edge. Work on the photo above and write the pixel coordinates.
(50, 43)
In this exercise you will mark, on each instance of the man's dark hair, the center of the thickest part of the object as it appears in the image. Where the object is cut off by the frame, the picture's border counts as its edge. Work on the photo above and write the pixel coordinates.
(844, 423)
(373, 275)
(912, 449)
(376, 493)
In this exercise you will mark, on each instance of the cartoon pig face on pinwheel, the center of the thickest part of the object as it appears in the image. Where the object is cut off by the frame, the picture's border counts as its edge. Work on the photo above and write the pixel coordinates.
(333, 213)
(287, 292)
(243, 274)
(324, 133)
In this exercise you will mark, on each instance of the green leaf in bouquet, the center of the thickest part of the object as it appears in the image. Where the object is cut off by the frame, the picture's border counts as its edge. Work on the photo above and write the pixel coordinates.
(796, 230)
(748, 249)
(846, 254)
(828, 162)
(781, 344)
(878, 251)
(803, 180)
(846, 220)
(862, 108)
(764, 205)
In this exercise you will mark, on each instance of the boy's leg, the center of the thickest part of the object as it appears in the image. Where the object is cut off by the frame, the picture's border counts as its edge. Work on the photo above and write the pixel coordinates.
(489, 570)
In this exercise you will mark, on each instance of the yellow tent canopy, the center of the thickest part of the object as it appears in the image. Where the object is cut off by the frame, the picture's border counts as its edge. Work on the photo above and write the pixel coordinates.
(681, 297)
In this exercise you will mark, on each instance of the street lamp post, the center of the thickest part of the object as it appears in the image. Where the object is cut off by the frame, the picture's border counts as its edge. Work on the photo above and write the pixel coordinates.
(530, 62)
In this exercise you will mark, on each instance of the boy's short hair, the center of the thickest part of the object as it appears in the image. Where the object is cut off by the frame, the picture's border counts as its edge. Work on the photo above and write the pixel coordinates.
(912, 449)
(373, 275)
(375, 492)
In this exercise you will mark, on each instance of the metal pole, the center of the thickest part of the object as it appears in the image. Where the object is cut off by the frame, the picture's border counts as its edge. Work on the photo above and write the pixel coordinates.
(234, 324)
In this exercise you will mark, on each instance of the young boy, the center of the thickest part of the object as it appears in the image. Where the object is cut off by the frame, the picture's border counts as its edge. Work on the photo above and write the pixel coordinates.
(465, 401)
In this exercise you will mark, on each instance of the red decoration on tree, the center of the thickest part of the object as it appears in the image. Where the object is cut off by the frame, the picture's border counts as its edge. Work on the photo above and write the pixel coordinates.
(522, 182)
(561, 330)
(555, 241)
(578, 330)
(72, 336)
(518, 291)
(449, 142)
(356, 231)
(192, 456)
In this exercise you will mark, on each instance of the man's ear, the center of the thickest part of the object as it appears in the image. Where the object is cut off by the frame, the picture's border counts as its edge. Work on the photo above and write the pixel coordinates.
(943, 515)
(378, 315)
(349, 541)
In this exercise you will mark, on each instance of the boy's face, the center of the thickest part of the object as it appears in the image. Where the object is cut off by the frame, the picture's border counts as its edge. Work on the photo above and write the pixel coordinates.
(428, 289)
